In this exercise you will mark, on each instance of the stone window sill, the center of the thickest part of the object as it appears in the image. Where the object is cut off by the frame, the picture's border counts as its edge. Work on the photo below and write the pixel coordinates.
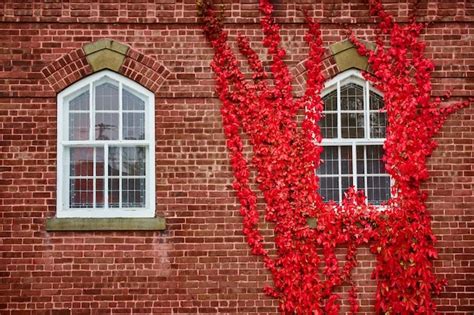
(105, 224)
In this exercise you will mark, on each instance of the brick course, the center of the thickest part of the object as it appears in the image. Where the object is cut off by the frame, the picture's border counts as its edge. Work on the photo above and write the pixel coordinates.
(201, 263)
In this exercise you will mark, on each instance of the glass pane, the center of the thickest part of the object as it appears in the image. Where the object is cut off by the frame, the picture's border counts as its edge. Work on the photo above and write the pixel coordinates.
(330, 163)
(114, 161)
(81, 161)
(81, 193)
(106, 126)
(133, 161)
(132, 102)
(329, 126)
(99, 161)
(375, 164)
(80, 102)
(133, 192)
(346, 183)
(329, 188)
(114, 192)
(376, 101)
(378, 189)
(352, 97)
(99, 193)
(360, 160)
(346, 160)
(134, 126)
(79, 126)
(352, 125)
(360, 183)
(378, 123)
(330, 101)
(106, 97)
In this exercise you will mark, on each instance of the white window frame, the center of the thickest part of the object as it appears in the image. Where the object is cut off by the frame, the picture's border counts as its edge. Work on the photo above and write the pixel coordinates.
(63, 143)
(352, 76)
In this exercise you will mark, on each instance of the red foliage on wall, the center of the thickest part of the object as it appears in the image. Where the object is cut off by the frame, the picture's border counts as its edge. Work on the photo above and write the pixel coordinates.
(404, 241)
(286, 157)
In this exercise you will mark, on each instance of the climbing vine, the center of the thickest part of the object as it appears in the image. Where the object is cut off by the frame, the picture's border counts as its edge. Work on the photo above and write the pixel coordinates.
(305, 269)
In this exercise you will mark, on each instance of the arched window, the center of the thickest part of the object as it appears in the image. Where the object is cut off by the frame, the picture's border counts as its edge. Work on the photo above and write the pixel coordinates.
(353, 130)
(106, 148)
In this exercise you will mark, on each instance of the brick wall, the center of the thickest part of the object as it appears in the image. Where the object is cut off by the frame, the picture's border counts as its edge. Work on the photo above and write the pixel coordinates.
(201, 263)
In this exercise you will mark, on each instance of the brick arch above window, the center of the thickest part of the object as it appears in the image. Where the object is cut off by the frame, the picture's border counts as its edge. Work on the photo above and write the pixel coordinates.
(339, 57)
(105, 54)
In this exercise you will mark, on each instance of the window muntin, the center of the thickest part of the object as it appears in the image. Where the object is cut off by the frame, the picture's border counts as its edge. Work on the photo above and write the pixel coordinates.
(105, 157)
(353, 129)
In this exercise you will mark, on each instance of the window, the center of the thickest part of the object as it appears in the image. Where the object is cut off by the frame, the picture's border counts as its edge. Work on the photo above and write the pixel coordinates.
(106, 149)
(353, 130)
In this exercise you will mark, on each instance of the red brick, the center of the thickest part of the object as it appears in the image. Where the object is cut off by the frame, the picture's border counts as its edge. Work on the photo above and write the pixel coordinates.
(201, 263)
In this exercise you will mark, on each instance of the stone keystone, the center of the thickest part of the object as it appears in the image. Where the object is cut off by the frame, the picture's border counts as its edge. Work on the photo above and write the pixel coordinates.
(105, 54)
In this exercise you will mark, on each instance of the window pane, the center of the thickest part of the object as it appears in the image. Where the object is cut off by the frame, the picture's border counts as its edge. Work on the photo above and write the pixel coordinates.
(330, 163)
(133, 161)
(114, 161)
(81, 193)
(330, 101)
(79, 126)
(352, 97)
(352, 125)
(376, 101)
(106, 97)
(346, 160)
(378, 189)
(329, 188)
(80, 102)
(134, 126)
(81, 161)
(360, 160)
(378, 124)
(106, 126)
(133, 192)
(99, 193)
(375, 164)
(132, 102)
(99, 161)
(360, 183)
(346, 183)
(114, 192)
(328, 125)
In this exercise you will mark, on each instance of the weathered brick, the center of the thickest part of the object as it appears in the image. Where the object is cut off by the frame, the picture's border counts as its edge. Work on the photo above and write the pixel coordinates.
(201, 263)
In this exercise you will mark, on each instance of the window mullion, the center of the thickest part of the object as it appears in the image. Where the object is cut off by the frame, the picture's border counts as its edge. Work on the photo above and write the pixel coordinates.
(120, 112)
(339, 131)
(354, 164)
(366, 111)
(120, 176)
(365, 173)
(339, 136)
(106, 176)
(147, 178)
(91, 111)
(63, 156)
(94, 177)
(67, 182)
(120, 149)
(339, 177)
